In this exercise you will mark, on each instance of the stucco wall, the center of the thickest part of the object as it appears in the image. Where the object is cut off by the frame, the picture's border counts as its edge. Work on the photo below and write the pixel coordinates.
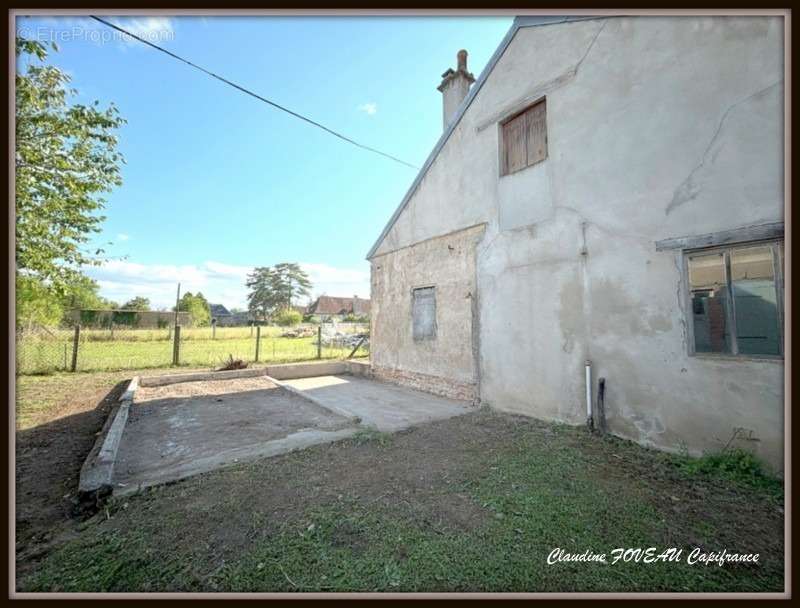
(657, 128)
(446, 365)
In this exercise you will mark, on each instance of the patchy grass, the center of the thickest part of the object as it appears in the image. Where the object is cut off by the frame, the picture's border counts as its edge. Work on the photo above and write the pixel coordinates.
(369, 434)
(475, 503)
(737, 466)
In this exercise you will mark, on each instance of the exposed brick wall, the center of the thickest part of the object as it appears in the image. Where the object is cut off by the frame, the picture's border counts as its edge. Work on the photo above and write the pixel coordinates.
(436, 385)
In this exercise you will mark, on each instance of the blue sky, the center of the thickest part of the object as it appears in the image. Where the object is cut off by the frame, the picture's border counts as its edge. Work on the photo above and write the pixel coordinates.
(217, 182)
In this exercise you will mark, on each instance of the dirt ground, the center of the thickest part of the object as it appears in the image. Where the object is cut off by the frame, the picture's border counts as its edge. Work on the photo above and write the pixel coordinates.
(58, 419)
(469, 503)
(201, 388)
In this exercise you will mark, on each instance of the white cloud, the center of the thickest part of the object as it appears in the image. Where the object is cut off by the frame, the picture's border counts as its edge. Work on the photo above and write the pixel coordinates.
(220, 283)
(152, 29)
(123, 237)
(64, 29)
(370, 108)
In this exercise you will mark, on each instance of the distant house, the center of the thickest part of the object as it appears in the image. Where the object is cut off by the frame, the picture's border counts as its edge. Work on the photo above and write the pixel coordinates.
(327, 307)
(218, 313)
(225, 318)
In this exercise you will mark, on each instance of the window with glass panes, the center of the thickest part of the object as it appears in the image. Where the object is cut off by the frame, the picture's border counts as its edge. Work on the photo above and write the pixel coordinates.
(736, 299)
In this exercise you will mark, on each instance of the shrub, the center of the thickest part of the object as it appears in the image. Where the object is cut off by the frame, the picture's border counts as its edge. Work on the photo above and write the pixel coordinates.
(288, 317)
(736, 465)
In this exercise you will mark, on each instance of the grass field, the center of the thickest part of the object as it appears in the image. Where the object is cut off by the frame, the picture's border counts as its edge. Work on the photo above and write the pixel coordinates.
(474, 503)
(103, 349)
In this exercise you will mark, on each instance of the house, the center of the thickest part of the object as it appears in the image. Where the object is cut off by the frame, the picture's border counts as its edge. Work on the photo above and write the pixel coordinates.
(327, 307)
(218, 313)
(609, 191)
(225, 318)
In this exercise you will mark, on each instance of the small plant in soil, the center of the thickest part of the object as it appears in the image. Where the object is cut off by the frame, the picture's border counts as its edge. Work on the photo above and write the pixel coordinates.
(232, 363)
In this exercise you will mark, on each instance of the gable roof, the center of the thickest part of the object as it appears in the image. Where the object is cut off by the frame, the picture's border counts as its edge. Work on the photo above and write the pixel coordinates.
(330, 305)
(218, 310)
(519, 22)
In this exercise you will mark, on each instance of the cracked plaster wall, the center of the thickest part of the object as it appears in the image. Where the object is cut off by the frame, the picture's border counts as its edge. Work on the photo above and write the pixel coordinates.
(657, 128)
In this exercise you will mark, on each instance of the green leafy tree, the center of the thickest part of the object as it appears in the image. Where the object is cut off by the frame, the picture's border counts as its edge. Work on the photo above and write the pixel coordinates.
(137, 303)
(83, 293)
(273, 289)
(66, 158)
(288, 317)
(37, 303)
(197, 307)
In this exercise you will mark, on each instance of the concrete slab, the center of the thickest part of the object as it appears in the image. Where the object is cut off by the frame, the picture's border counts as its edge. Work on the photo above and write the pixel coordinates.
(385, 407)
(180, 430)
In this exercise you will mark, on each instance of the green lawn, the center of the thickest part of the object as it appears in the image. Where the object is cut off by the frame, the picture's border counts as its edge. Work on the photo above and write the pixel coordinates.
(474, 503)
(140, 349)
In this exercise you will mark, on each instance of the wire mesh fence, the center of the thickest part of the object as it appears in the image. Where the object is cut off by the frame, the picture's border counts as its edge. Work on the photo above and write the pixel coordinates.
(45, 350)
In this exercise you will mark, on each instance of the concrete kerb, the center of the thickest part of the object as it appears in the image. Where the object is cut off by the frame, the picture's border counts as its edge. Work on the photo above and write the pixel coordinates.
(284, 371)
(98, 469)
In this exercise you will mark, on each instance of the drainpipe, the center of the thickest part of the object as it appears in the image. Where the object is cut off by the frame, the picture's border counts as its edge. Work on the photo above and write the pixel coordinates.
(589, 416)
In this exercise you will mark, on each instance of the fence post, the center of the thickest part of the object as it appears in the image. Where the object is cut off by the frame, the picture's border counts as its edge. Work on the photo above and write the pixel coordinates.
(75, 342)
(176, 346)
(258, 340)
(213, 329)
(319, 341)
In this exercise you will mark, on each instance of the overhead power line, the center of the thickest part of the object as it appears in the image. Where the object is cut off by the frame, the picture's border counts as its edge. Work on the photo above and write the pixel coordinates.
(256, 95)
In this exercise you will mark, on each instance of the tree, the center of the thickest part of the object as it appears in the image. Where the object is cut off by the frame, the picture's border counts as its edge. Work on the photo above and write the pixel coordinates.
(66, 158)
(196, 306)
(287, 317)
(273, 289)
(83, 293)
(137, 303)
(37, 304)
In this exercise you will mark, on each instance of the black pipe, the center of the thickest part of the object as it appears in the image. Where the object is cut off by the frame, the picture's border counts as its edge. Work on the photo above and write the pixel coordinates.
(601, 406)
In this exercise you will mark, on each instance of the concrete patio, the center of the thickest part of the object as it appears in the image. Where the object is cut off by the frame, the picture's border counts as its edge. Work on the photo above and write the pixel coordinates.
(169, 428)
(384, 407)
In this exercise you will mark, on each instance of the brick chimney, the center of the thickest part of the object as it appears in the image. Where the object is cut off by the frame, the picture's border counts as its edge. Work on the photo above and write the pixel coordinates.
(455, 87)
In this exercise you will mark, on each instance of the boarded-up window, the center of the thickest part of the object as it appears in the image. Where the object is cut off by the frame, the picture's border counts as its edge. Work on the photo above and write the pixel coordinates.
(423, 313)
(524, 139)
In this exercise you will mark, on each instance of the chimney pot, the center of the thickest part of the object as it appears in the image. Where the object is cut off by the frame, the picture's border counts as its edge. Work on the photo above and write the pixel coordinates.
(455, 87)
(462, 60)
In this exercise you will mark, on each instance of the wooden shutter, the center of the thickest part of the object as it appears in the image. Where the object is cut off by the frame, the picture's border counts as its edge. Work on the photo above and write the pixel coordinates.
(514, 150)
(536, 124)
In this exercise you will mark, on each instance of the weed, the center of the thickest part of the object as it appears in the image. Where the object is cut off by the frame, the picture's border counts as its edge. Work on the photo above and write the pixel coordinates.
(370, 435)
(735, 465)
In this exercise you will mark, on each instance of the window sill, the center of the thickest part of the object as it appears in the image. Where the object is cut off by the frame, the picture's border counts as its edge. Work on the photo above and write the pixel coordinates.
(518, 171)
(728, 357)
